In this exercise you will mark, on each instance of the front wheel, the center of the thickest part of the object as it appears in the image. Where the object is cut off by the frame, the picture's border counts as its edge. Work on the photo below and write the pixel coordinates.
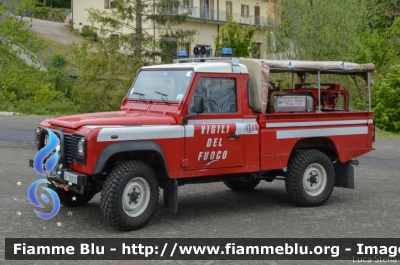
(130, 195)
(310, 178)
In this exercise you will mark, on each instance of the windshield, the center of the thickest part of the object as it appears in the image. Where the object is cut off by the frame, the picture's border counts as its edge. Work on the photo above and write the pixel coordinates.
(166, 85)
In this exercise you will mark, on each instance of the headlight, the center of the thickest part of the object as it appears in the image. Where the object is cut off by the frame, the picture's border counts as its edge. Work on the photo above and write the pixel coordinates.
(38, 133)
(46, 139)
(42, 138)
(82, 147)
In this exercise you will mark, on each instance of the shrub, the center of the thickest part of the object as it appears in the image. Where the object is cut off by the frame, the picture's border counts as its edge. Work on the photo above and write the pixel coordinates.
(58, 60)
(51, 14)
(386, 101)
(89, 32)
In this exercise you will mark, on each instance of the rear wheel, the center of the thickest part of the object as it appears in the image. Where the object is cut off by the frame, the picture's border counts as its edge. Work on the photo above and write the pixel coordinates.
(130, 195)
(241, 185)
(310, 178)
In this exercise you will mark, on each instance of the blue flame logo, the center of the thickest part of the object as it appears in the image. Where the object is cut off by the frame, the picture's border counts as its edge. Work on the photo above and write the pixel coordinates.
(41, 156)
(43, 163)
(34, 199)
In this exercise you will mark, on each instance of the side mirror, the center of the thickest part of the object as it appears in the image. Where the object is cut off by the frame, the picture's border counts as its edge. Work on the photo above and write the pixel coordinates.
(198, 104)
(196, 110)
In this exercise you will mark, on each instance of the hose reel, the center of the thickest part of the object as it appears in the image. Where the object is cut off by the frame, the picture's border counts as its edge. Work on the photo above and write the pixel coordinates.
(330, 99)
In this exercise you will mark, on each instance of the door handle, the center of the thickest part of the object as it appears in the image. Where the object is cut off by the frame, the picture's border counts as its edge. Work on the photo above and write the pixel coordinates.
(233, 136)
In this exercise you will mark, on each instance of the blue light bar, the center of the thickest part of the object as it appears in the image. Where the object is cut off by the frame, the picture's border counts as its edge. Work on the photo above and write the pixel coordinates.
(226, 52)
(182, 54)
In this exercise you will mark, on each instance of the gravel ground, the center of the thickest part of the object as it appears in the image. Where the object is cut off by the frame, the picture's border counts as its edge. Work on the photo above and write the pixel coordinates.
(53, 30)
(211, 210)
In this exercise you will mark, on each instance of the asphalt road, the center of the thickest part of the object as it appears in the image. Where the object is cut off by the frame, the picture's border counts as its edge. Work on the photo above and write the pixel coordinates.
(208, 210)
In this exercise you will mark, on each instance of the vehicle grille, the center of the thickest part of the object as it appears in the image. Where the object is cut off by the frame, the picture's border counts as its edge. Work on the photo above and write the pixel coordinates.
(71, 148)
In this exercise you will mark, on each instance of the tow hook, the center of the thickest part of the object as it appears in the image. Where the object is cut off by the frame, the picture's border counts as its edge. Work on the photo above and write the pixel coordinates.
(354, 162)
(64, 187)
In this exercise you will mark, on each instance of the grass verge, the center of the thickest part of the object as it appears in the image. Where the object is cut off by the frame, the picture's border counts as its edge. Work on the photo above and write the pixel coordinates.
(52, 47)
(387, 135)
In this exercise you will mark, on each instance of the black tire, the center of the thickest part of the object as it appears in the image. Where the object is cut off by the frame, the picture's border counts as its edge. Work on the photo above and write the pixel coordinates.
(240, 185)
(67, 197)
(306, 168)
(138, 182)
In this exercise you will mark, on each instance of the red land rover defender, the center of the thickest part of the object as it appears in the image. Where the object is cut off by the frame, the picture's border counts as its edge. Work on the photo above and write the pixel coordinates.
(206, 120)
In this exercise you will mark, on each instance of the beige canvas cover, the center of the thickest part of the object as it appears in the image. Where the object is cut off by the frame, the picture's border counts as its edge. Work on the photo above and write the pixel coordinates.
(317, 65)
(259, 77)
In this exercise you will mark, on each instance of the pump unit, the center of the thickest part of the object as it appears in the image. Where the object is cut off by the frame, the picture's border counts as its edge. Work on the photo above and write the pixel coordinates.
(294, 102)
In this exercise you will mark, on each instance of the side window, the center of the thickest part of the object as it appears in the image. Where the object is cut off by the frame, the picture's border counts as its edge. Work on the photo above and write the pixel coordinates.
(219, 95)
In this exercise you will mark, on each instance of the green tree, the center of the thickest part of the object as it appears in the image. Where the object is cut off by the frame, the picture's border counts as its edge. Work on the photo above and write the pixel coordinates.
(382, 46)
(104, 74)
(134, 22)
(13, 32)
(319, 30)
(20, 8)
(56, 3)
(382, 13)
(125, 42)
(386, 103)
(381, 39)
(240, 39)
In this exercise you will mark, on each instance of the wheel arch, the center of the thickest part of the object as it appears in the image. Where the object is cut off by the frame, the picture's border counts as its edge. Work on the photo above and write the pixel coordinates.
(323, 144)
(145, 151)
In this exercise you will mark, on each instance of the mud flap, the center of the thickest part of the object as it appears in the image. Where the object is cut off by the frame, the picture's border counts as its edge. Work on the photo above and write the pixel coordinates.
(170, 187)
(344, 175)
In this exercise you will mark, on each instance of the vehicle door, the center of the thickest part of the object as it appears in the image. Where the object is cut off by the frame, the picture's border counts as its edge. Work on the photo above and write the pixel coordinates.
(214, 139)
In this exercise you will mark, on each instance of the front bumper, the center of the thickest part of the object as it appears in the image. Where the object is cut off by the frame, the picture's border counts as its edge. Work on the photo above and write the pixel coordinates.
(66, 176)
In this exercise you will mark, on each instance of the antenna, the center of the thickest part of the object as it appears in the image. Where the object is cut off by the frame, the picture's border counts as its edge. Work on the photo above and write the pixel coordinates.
(197, 42)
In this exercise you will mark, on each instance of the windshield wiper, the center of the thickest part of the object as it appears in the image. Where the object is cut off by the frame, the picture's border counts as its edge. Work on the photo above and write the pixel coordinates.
(141, 95)
(163, 96)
